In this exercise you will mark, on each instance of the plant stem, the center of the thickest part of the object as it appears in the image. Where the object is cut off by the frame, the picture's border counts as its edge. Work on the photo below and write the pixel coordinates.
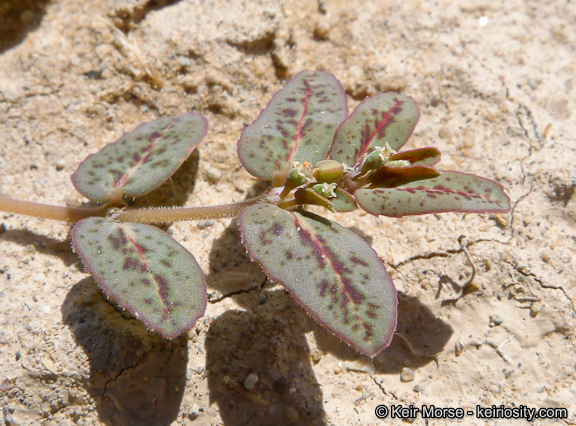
(47, 211)
(152, 215)
(164, 215)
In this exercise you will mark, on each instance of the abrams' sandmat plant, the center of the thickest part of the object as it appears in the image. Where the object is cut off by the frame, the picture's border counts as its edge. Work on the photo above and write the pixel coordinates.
(313, 153)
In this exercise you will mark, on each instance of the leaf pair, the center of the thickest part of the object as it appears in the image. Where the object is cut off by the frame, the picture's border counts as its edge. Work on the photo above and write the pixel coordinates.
(308, 112)
(139, 266)
(305, 122)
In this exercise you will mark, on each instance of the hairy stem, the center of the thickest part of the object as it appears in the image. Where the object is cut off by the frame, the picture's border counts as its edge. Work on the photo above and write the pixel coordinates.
(152, 215)
(164, 215)
(47, 211)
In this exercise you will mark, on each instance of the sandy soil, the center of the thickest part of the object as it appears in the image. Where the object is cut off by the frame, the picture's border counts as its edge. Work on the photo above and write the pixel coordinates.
(496, 86)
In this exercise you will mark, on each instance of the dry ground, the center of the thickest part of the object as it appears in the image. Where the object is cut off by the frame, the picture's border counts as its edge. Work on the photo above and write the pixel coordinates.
(496, 86)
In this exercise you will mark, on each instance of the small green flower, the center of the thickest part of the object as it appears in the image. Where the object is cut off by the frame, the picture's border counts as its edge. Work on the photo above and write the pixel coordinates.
(298, 174)
(377, 158)
(325, 189)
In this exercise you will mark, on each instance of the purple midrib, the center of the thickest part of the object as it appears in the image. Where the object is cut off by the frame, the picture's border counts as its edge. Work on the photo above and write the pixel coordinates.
(378, 128)
(298, 136)
(124, 178)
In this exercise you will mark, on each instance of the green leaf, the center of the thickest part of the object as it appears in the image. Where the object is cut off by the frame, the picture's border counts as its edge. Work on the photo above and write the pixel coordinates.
(145, 271)
(449, 192)
(297, 125)
(385, 117)
(332, 272)
(141, 160)
(344, 202)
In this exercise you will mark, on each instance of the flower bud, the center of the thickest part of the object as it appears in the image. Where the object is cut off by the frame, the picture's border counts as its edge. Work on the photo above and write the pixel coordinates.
(328, 171)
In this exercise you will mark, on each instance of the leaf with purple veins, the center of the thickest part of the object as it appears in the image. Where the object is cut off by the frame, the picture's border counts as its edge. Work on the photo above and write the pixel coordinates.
(332, 272)
(141, 160)
(297, 125)
(145, 271)
(384, 118)
(449, 192)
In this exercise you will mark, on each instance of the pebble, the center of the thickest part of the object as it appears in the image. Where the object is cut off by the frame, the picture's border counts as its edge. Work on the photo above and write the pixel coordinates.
(6, 385)
(60, 164)
(292, 415)
(39, 278)
(316, 355)
(435, 101)
(425, 283)
(445, 133)
(546, 255)
(251, 381)
(184, 61)
(203, 224)
(458, 348)
(559, 109)
(362, 365)
(322, 29)
(418, 388)
(407, 375)
(495, 320)
(213, 174)
(194, 412)
(535, 308)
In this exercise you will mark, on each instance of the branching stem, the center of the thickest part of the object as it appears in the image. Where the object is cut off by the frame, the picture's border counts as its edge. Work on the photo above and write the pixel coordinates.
(164, 215)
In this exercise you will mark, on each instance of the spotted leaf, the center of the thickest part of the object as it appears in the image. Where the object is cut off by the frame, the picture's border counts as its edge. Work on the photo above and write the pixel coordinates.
(344, 202)
(141, 160)
(385, 117)
(332, 272)
(449, 192)
(297, 125)
(145, 271)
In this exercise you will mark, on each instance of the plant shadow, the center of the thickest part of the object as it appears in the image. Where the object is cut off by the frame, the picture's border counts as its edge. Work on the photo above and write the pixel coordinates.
(420, 337)
(18, 18)
(136, 377)
(176, 190)
(42, 244)
(268, 340)
(260, 370)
